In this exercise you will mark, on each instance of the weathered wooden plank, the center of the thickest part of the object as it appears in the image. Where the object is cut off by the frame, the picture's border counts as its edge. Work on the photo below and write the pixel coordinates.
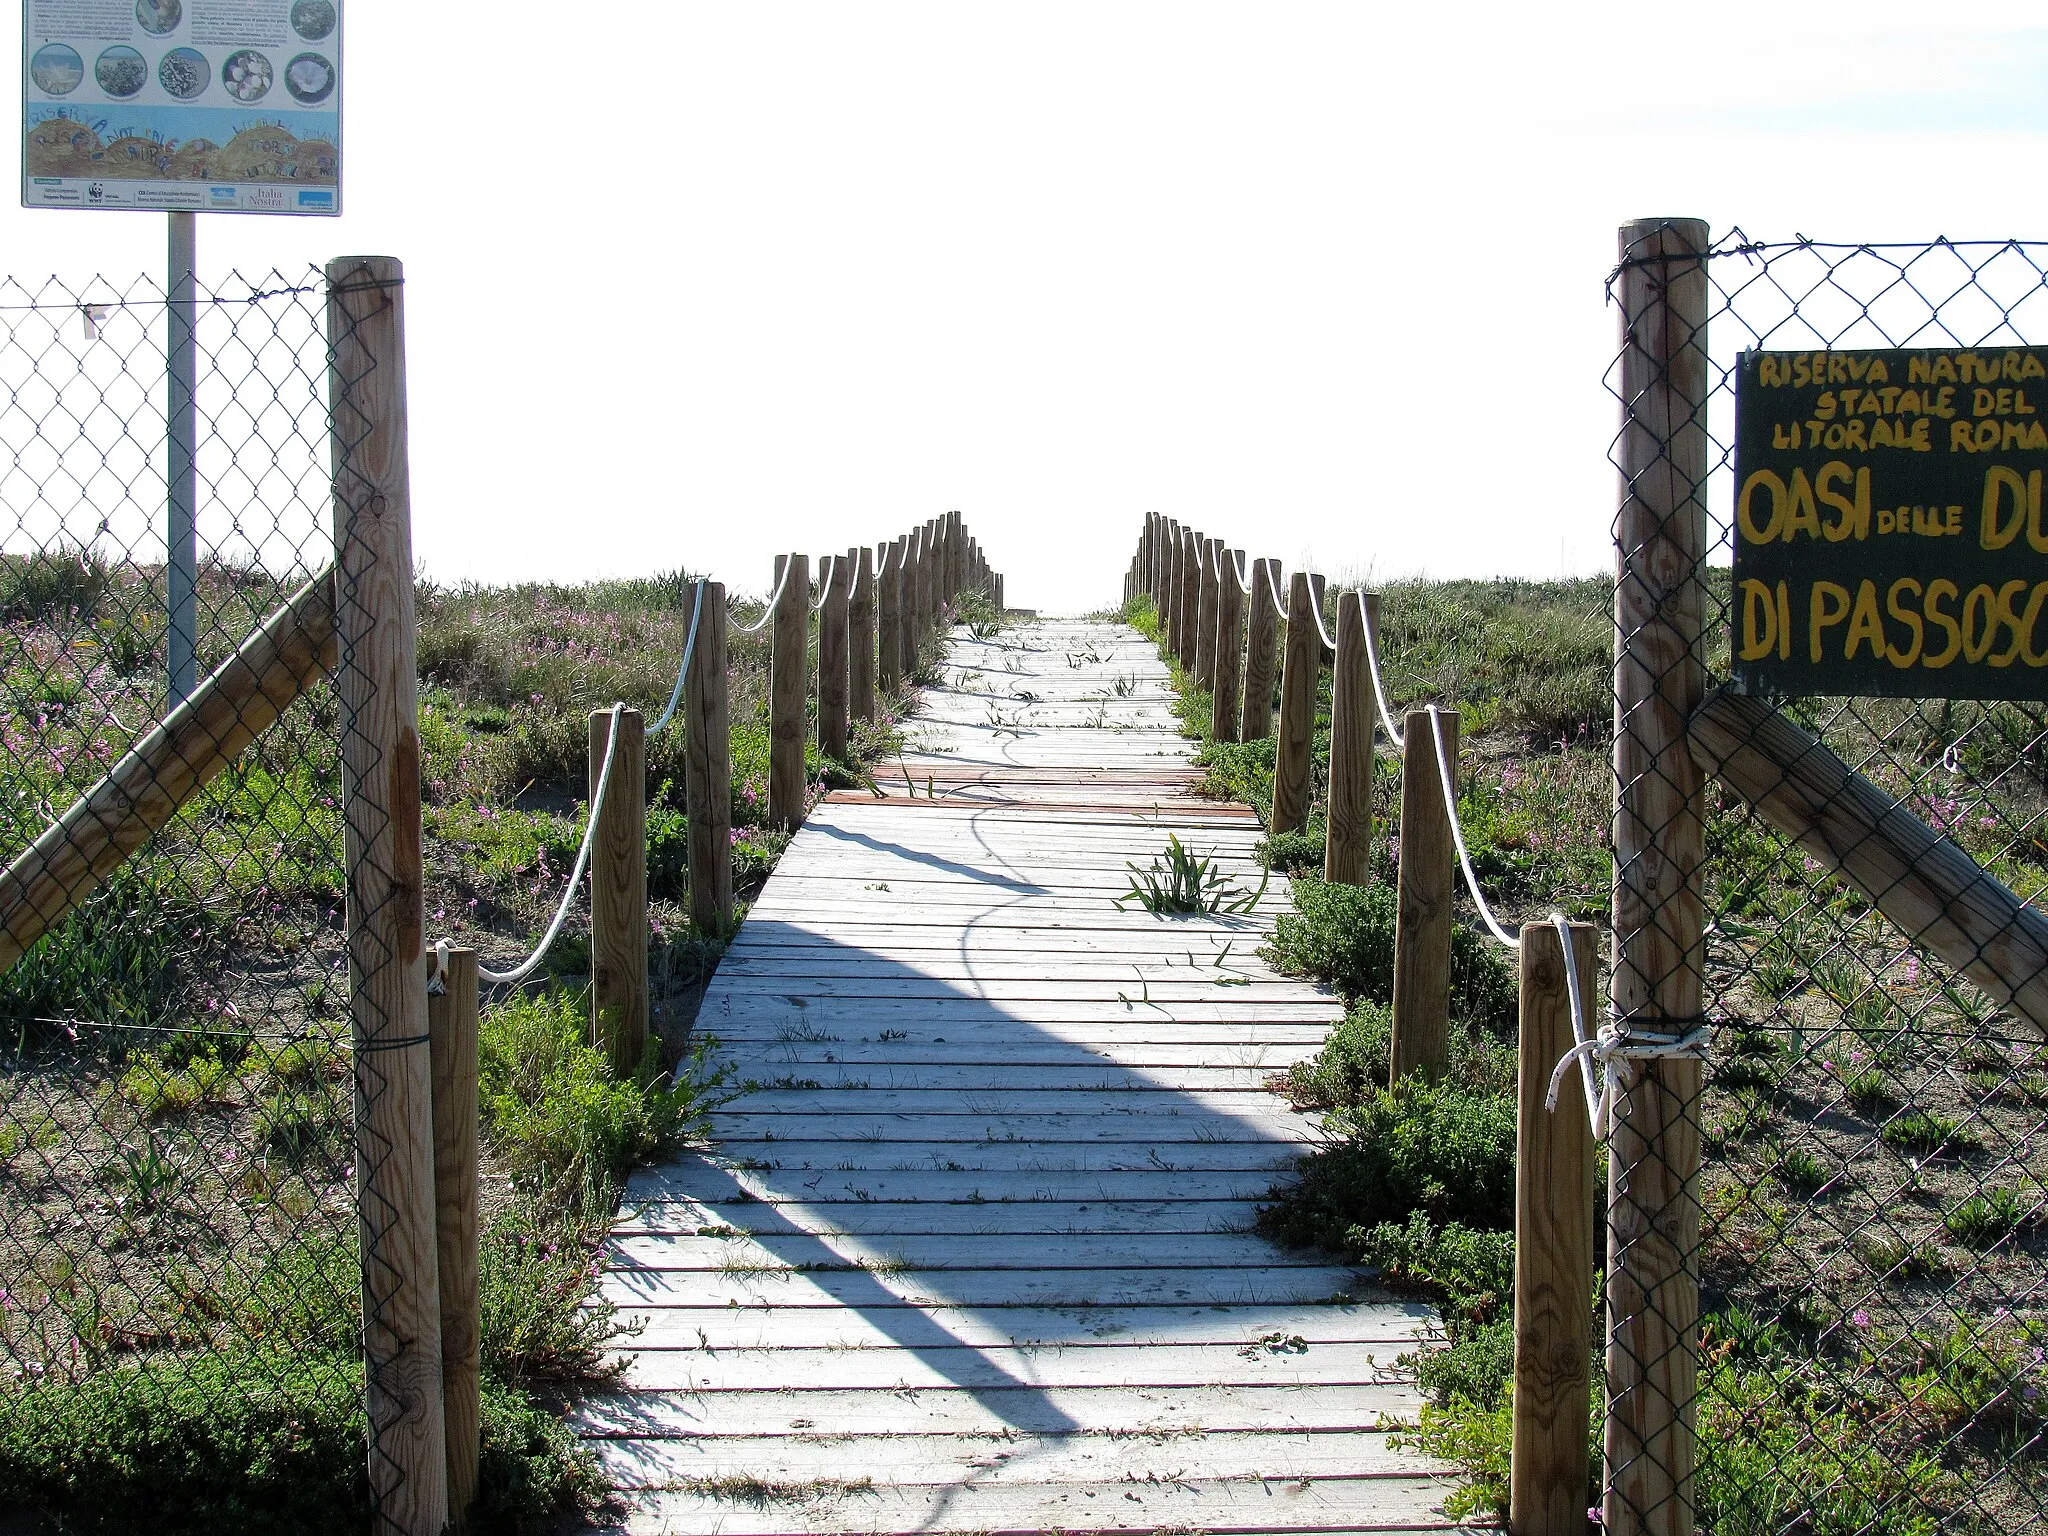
(1135, 1123)
(946, 1251)
(931, 1217)
(1007, 1287)
(1225, 1507)
(735, 1187)
(788, 1155)
(996, 1411)
(1025, 1457)
(894, 1076)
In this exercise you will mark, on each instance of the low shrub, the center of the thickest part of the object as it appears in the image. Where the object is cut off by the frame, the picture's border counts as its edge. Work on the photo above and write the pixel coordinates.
(1344, 934)
(1441, 1150)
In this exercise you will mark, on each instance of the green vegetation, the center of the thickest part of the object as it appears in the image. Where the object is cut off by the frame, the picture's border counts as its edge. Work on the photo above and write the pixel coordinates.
(1180, 881)
(179, 1286)
(1871, 1225)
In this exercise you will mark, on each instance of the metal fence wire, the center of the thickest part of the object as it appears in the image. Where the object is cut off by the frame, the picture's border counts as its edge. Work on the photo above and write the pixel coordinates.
(1828, 1245)
(178, 1080)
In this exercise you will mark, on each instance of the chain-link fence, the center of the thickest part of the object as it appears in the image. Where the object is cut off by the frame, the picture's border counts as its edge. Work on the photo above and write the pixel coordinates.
(1827, 1268)
(178, 1078)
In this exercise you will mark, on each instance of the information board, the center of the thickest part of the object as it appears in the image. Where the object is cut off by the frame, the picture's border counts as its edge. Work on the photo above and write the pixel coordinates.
(230, 105)
(1889, 529)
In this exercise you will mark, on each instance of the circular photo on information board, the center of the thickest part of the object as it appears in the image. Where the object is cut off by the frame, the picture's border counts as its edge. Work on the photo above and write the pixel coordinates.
(159, 16)
(121, 71)
(312, 19)
(247, 75)
(56, 69)
(182, 73)
(310, 78)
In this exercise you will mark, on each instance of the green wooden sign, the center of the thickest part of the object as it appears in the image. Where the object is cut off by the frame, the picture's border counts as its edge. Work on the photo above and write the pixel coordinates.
(1889, 530)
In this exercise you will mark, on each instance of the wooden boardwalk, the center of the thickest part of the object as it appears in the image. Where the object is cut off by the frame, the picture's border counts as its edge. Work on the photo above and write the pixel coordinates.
(973, 1251)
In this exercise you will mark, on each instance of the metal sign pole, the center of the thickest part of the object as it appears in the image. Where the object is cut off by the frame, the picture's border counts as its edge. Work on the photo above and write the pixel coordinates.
(181, 564)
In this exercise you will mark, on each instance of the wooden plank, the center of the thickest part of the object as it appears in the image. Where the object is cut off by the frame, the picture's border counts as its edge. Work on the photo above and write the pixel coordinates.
(944, 1251)
(1377, 1330)
(985, 1077)
(292, 650)
(688, 1217)
(1060, 1161)
(871, 1012)
(1134, 1123)
(995, 1411)
(1226, 1507)
(1025, 1457)
(968, 1287)
(724, 1184)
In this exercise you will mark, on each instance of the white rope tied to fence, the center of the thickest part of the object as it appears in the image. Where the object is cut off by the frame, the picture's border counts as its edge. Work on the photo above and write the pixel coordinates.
(1612, 1049)
(1238, 568)
(774, 602)
(1273, 586)
(824, 583)
(682, 672)
(1316, 611)
(1443, 769)
(1379, 687)
(526, 968)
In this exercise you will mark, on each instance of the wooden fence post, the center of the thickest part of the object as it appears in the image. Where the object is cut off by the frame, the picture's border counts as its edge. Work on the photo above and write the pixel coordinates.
(1262, 635)
(452, 1031)
(889, 631)
(618, 891)
(1208, 593)
(1659, 922)
(788, 683)
(1169, 590)
(1299, 674)
(1319, 585)
(1347, 851)
(999, 594)
(834, 665)
(1553, 1249)
(956, 537)
(377, 685)
(1189, 598)
(918, 600)
(1425, 882)
(860, 633)
(708, 771)
(1229, 650)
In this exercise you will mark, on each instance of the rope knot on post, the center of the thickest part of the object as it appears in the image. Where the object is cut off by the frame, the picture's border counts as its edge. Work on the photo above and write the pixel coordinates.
(1613, 1047)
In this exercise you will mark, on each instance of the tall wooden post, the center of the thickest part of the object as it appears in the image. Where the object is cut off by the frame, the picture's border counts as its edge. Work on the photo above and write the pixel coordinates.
(921, 561)
(860, 633)
(956, 535)
(834, 665)
(1229, 665)
(618, 890)
(788, 680)
(1659, 922)
(452, 1032)
(1169, 590)
(377, 685)
(1262, 636)
(1000, 608)
(1319, 587)
(1347, 852)
(708, 770)
(1553, 1249)
(1422, 915)
(1207, 596)
(1298, 677)
(889, 630)
(1190, 597)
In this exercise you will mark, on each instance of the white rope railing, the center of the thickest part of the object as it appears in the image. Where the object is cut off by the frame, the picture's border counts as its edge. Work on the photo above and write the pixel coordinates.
(1273, 586)
(824, 583)
(682, 672)
(1379, 687)
(1443, 769)
(1239, 570)
(1316, 611)
(774, 602)
(526, 967)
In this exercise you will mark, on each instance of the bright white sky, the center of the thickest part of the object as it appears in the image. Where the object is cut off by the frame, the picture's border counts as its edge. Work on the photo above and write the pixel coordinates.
(692, 283)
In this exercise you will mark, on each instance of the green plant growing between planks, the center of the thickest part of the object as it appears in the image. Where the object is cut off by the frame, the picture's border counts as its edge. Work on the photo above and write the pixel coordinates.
(1180, 882)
